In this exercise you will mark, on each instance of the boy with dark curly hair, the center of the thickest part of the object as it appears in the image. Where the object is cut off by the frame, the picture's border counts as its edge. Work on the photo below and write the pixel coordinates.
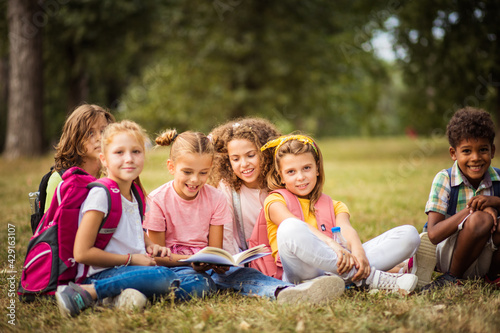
(464, 203)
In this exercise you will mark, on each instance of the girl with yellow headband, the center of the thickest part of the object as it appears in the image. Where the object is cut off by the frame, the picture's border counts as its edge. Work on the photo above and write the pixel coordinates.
(305, 246)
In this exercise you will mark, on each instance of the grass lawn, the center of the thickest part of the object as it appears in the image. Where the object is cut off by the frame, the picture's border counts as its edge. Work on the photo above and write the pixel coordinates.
(385, 183)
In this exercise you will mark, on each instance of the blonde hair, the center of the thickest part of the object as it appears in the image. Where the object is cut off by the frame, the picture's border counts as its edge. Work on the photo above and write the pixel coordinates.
(257, 131)
(296, 147)
(70, 151)
(128, 127)
(185, 143)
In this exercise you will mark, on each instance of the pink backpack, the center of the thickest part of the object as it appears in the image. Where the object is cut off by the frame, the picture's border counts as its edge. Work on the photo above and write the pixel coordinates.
(49, 259)
(325, 218)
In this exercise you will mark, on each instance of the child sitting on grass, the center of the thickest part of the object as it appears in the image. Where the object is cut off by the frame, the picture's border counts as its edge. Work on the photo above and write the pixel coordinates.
(463, 206)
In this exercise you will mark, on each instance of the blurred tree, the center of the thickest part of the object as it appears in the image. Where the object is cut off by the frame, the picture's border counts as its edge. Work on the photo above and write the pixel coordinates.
(451, 58)
(25, 100)
(281, 60)
(93, 47)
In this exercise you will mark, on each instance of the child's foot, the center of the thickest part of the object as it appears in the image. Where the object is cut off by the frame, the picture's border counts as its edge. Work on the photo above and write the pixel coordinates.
(393, 281)
(315, 291)
(130, 299)
(424, 260)
(444, 280)
(72, 299)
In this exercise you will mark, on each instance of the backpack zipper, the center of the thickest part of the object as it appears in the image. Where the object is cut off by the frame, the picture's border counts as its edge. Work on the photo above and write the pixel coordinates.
(35, 258)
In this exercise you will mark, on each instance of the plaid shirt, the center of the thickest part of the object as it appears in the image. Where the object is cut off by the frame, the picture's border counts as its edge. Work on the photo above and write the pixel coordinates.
(440, 190)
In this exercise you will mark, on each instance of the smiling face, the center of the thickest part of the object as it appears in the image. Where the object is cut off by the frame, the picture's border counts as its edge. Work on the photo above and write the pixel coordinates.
(245, 161)
(123, 158)
(473, 158)
(190, 173)
(299, 173)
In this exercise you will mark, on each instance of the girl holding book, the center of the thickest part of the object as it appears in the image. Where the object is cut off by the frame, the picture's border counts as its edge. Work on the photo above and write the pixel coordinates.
(186, 215)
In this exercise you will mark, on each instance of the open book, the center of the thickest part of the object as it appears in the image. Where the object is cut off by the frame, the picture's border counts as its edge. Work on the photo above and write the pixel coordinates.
(216, 256)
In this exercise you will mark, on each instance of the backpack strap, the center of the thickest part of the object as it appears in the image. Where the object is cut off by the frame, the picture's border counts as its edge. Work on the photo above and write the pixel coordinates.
(452, 203)
(496, 184)
(292, 202)
(110, 221)
(325, 214)
(238, 217)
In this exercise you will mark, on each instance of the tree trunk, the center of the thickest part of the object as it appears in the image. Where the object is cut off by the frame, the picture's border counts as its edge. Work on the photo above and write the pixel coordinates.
(4, 92)
(25, 101)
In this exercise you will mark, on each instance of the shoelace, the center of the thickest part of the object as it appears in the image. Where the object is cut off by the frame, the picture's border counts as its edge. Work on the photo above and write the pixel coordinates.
(388, 281)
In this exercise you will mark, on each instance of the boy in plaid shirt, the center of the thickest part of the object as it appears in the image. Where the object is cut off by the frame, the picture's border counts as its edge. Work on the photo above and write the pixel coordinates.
(468, 236)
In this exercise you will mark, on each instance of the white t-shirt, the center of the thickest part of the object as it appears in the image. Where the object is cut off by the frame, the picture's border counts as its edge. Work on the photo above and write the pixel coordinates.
(128, 236)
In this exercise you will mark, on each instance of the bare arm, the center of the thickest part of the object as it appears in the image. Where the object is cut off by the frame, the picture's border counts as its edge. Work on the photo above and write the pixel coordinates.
(439, 228)
(86, 253)
(354, 245)
(215, 236)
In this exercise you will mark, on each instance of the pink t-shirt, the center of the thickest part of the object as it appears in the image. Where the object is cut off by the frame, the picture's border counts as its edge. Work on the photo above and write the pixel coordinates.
(186, 222)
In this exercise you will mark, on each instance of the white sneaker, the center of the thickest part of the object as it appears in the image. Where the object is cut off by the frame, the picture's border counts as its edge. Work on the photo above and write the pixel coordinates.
(425, 260)
(315, 291)
(393, 281)
(130, 299)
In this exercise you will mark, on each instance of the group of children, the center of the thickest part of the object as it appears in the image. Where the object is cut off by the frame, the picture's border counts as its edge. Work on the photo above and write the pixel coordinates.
(249, 166)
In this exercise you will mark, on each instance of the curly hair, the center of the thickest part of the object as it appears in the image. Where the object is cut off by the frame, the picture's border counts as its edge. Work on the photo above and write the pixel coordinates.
(470, 123)
(256, 130)
(296, 147)
(70, 151)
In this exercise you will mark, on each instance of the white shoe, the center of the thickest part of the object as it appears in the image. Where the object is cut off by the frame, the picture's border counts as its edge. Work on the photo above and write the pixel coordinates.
(393, 281)
(130, 299)
(425, 260)
(315, 291)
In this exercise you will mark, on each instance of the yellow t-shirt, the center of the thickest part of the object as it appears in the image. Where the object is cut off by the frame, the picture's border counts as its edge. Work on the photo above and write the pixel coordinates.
(309, 218)
(54, 180)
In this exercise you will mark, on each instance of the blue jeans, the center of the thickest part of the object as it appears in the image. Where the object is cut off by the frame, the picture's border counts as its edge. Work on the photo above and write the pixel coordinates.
(149, 280)
(193, 284)
(248, 281)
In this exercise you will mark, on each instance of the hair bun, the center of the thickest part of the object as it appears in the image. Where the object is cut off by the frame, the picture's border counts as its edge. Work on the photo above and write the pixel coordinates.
(166, 138)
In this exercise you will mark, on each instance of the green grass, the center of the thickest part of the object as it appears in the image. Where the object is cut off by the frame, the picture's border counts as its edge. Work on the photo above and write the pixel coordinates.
(384, 182)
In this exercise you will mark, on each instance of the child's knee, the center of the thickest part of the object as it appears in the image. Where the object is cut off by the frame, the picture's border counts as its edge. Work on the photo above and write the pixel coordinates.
(479, 224)
(290, 228)
(411, 235)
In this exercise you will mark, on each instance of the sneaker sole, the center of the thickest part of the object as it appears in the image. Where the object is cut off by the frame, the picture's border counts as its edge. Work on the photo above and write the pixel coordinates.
(325, 288)
(130, 299)
(426, 260)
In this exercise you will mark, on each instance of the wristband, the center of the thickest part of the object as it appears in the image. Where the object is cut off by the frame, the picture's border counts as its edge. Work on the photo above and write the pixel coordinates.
(129, 259)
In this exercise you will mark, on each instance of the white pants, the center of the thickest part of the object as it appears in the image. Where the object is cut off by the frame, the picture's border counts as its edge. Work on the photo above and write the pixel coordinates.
(304, 256)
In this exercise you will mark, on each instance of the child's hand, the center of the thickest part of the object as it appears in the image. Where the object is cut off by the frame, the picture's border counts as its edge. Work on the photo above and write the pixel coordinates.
(156, 250)
(142, 260)
(494, 213)
(363, 266)
(480, 202)
(345, 260)
(201, 267)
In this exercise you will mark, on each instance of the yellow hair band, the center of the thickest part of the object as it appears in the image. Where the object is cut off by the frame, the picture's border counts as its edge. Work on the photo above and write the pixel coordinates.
(282, 139)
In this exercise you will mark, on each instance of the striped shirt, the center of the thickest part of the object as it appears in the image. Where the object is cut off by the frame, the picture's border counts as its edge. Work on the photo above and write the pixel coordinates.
(439, 196)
